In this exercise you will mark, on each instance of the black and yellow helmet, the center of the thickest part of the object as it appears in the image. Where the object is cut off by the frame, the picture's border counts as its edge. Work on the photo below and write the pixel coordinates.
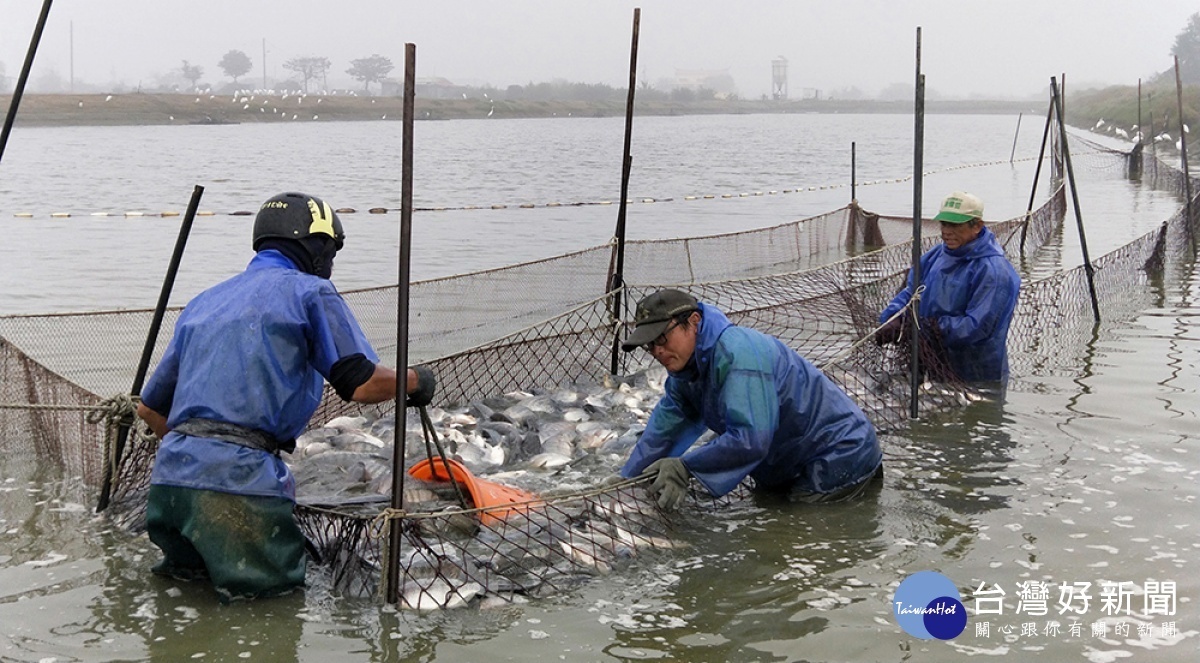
(296, 216)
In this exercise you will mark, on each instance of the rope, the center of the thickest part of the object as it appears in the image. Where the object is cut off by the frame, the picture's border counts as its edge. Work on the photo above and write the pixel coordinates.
(911, 306)
(114, 408)
(39, 406)
(112, 411)
(553, 204)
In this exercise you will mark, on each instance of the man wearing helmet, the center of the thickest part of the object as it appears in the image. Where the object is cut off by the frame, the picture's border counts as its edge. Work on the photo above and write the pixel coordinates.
(239, 381)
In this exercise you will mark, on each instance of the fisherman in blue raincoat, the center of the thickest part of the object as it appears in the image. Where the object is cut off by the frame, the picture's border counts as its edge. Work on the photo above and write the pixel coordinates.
(778, 418)
(239, 381)
(970, 294)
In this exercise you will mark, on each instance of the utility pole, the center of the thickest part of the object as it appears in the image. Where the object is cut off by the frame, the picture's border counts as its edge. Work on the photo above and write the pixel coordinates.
(264, 63)
(72, 53)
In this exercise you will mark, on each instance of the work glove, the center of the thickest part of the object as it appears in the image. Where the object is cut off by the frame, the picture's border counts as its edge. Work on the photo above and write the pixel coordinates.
(426, 384)
(670, 482)
(613, 480)
(891, 332)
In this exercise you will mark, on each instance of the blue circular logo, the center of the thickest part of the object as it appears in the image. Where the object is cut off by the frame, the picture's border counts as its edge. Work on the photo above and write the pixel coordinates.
(927, 605)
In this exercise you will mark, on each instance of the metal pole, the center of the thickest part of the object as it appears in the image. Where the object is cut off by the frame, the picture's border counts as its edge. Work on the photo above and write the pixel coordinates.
(1187, 180)
(1136, 157)
(1015, 136)
(853, 174)
(1141, 130)
(20, 89)
(406, 182)
(914, 377)
(1150, 120)
(618, 278)
(1037, 173)
(1087, 261)
(139, 378)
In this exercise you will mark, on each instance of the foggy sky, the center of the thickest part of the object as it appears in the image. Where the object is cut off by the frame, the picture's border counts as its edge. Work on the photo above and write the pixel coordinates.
(969, 48)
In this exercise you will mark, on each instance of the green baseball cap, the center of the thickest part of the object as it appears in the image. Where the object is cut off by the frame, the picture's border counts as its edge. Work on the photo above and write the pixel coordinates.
(654, 313)
(960, 207)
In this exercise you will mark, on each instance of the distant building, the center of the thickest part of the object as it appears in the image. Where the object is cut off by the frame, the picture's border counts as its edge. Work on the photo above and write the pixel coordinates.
(717, 80)
(779, 79)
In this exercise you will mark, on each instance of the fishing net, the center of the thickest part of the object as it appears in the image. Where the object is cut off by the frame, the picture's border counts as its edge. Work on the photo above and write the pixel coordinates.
(817, 283)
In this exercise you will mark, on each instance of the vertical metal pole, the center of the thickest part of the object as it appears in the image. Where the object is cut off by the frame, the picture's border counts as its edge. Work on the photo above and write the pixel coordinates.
(71, 52)
(139, 378)
(20, 89)
(406, 179)
(1087, 261)
(1141, 130)
(1037, 173)
(914, 377)
(264, 63)
(1183, 160)
(618, 277)
(1150, 121)
(853, 174)
(1013, 155)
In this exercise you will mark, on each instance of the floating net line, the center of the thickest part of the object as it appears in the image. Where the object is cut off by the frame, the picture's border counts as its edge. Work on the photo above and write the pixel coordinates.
(792, 281)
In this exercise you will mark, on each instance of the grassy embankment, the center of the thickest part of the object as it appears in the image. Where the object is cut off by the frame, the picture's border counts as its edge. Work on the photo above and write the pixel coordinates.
(1117, 106)
(146, 109)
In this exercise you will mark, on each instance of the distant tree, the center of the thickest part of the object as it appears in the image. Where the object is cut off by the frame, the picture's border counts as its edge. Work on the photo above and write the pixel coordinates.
(235, 64)
(1187, 49)
(853, 92)
(683, 94)
(898, 92)
(308, 68)
(192, 72)
(370, 70)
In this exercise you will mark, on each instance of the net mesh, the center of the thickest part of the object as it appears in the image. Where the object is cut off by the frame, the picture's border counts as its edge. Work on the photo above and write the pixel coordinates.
(817, 284)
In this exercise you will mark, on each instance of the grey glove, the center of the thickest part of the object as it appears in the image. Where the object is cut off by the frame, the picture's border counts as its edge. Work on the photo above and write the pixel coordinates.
(426, 384)
(670, 482)
(613, 480)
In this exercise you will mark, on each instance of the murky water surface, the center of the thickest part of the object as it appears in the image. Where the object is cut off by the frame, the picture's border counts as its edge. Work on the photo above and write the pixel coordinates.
(1090, 477)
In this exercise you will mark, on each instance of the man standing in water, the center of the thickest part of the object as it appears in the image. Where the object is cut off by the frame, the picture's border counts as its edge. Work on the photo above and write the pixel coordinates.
(778, 418)
(970, 295)
(239, 381)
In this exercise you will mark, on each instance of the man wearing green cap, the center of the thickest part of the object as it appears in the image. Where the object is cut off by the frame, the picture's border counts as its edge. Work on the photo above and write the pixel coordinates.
(778, 419)
(970, 295)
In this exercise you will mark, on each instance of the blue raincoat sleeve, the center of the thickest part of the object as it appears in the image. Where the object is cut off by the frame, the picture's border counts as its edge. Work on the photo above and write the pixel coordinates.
(335, 332)
(159, 391)
(669, 432)
(991, 295)
(744, 399)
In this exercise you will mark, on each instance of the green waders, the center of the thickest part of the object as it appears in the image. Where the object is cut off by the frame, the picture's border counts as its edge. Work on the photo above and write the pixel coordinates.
(248, 546)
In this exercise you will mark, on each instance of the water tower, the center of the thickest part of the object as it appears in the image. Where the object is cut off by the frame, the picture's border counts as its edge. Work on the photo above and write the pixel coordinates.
(779, 78)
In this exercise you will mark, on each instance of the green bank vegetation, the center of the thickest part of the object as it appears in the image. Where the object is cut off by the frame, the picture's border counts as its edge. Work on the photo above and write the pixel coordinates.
(1121, 110)
(173, 108)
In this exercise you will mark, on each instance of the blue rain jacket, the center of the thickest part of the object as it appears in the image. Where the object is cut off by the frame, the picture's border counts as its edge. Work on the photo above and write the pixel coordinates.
(250, 351)
(970, 293)
(778, 418)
